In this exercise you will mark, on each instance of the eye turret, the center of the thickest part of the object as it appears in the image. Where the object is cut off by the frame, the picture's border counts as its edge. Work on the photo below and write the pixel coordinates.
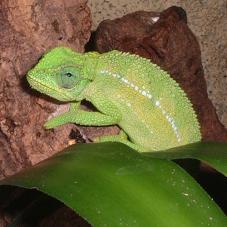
(69, 77)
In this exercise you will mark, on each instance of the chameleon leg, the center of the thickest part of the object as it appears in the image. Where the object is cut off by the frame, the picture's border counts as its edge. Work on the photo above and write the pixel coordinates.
(121, 138)
(75, 115)
(63, 118)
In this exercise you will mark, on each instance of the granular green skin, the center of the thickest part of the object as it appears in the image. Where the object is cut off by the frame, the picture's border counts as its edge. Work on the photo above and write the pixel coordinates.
(151, 109)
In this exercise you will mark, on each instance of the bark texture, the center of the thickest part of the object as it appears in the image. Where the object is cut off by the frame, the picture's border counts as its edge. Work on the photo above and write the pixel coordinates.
(28, 29)
(170, 44)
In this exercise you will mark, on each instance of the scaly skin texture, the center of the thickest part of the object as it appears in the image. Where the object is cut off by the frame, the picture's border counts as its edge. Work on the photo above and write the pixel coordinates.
(143, 100)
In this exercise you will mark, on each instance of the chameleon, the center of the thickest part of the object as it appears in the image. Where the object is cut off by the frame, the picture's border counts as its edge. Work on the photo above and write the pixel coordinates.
(149, 107)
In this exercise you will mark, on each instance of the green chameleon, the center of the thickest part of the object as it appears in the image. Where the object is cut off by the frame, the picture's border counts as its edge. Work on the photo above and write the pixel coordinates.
(151, 109)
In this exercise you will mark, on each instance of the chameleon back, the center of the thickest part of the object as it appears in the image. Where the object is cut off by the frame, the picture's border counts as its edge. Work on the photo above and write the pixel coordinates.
(156, 112)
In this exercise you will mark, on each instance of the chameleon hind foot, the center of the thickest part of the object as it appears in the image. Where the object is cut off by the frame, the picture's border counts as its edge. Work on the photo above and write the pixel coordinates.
(121, 138)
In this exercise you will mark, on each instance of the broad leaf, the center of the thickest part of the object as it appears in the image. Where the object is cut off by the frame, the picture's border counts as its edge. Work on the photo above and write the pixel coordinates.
(213, 153)
(110, 184)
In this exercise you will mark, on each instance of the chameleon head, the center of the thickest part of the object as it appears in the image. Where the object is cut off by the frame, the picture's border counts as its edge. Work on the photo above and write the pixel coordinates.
(59, 74)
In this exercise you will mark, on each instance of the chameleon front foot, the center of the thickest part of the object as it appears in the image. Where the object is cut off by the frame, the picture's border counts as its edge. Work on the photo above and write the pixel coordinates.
(56, 121)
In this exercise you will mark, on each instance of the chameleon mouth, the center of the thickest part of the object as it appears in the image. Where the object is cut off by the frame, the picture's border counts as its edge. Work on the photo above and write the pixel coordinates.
(43, 88)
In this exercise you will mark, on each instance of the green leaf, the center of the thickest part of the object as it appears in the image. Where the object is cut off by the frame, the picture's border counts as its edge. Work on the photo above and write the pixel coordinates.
(213, 153)
(110, 184)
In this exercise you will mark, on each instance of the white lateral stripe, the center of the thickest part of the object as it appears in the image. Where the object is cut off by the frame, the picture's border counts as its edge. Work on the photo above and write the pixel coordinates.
(149, 96)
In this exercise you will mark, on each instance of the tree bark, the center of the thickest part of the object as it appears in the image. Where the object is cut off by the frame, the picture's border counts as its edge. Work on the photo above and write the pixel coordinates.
(28, 29)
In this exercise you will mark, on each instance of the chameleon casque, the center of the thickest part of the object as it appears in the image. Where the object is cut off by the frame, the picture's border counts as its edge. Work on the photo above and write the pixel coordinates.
(151, 109)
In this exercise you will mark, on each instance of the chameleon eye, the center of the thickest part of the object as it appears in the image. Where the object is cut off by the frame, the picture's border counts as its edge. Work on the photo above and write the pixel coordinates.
(68, 74)
(69, 77)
